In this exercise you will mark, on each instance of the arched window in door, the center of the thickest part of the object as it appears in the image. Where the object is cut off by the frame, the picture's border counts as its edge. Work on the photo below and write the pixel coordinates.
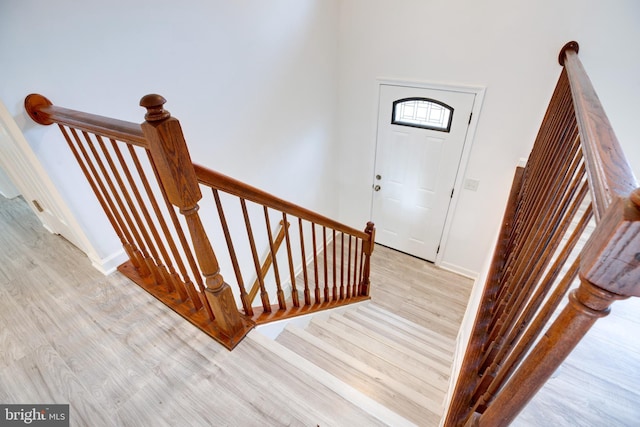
(422, 113)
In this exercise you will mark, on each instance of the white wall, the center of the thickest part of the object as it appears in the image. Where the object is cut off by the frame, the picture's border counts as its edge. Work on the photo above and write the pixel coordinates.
(286, 66)
(7, 189)
(254, 84)
(511, 48)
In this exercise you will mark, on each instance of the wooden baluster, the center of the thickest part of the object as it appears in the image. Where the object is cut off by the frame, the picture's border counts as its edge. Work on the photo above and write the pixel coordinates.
(292, 274)
(550, 230)
(133, 216)
(515, 348)
(34, 104)
(246, 301)
(307, 292)
(111, 189)
(266, 264)
(186, 282)
(558, 120)
(264, 296)
(334, 268)
(616, 239)
(367, 250)
(166, 270)
(326, 266)
(530, 245)
(116, 204)
(315, 264)
(108, 207)
(171, 157)
(341, 266)
(360, 267)
(468, 375)
(349, 282)
(272, 251)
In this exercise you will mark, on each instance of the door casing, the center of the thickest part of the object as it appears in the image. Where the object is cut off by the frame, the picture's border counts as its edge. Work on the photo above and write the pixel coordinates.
(479, 92)
(27, 174)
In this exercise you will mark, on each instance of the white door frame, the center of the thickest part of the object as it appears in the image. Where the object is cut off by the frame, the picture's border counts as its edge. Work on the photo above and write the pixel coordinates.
(479, 92)
(24, 169)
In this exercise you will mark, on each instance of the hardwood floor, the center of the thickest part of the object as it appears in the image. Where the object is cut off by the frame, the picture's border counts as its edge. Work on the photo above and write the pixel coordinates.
(121, 358)
(599, 383)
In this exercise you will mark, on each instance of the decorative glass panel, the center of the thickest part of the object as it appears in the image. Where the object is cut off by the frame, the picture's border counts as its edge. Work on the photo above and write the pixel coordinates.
(422, 113)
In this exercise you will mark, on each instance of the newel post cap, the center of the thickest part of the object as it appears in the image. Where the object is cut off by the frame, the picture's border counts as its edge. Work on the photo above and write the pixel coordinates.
(154, 105)
(635, 198)
(33, 103)
(572, 45)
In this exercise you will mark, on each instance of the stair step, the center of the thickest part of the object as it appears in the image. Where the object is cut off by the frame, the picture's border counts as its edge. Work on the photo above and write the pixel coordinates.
(356, 397)
(381, 387)
(434, 321)
(441, 345)
(382, 343)
(422, 378)
(445, 341)
(403, 339)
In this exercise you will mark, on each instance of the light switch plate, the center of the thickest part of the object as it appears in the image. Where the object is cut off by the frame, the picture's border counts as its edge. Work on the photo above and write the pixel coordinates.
(471, 184)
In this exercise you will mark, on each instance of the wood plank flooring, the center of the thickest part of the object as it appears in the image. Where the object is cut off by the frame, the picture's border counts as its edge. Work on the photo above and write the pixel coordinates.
(121, 358)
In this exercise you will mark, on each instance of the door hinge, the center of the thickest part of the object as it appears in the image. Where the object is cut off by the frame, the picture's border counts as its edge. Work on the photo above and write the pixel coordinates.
(451, 196)
(37, 205)
(470, 115)
(438, 250)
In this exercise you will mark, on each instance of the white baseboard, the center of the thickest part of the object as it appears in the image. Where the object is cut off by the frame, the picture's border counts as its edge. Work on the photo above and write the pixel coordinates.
(459, 270)
(109, 264)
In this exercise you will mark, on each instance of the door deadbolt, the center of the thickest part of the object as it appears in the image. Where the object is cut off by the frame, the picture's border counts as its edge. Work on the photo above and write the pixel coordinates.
(378, 177)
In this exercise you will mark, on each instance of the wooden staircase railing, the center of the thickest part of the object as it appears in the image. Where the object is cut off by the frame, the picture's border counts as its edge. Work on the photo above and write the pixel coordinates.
(525, 327)
(151, 193)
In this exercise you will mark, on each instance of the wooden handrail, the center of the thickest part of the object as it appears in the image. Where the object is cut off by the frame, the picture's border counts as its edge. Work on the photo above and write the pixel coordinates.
(237, 188)
(575, 149)
(610, 175)
(42, 111)
(185, 273)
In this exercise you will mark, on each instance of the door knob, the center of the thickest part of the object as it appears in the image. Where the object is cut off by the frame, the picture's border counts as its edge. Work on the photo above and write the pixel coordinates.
(377, 188)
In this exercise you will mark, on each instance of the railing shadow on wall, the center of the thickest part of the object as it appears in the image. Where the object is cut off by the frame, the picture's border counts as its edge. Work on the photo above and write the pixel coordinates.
(166, 211)
(576, 185)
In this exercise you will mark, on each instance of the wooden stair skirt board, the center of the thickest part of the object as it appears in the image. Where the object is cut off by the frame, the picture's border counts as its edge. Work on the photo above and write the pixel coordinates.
(398, 364)
(199, 318)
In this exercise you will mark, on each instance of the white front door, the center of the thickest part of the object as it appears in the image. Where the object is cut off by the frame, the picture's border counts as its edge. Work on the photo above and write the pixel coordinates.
(421, 135)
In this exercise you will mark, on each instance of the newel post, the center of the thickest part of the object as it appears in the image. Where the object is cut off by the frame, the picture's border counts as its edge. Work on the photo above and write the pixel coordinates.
(173, 163)
(609, 271)
(367, 250)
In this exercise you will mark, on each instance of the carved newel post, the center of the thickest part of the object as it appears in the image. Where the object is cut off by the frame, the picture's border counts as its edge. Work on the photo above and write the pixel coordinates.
(616, 240)
(175, 169)
(367, 250)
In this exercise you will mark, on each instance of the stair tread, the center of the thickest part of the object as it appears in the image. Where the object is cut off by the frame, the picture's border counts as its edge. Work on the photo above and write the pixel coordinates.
(380, 386)
(381, 342)
(348, 392)
(443, 341)
(410, 329)
(412, 310)
(402, 337)
(422, 376)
